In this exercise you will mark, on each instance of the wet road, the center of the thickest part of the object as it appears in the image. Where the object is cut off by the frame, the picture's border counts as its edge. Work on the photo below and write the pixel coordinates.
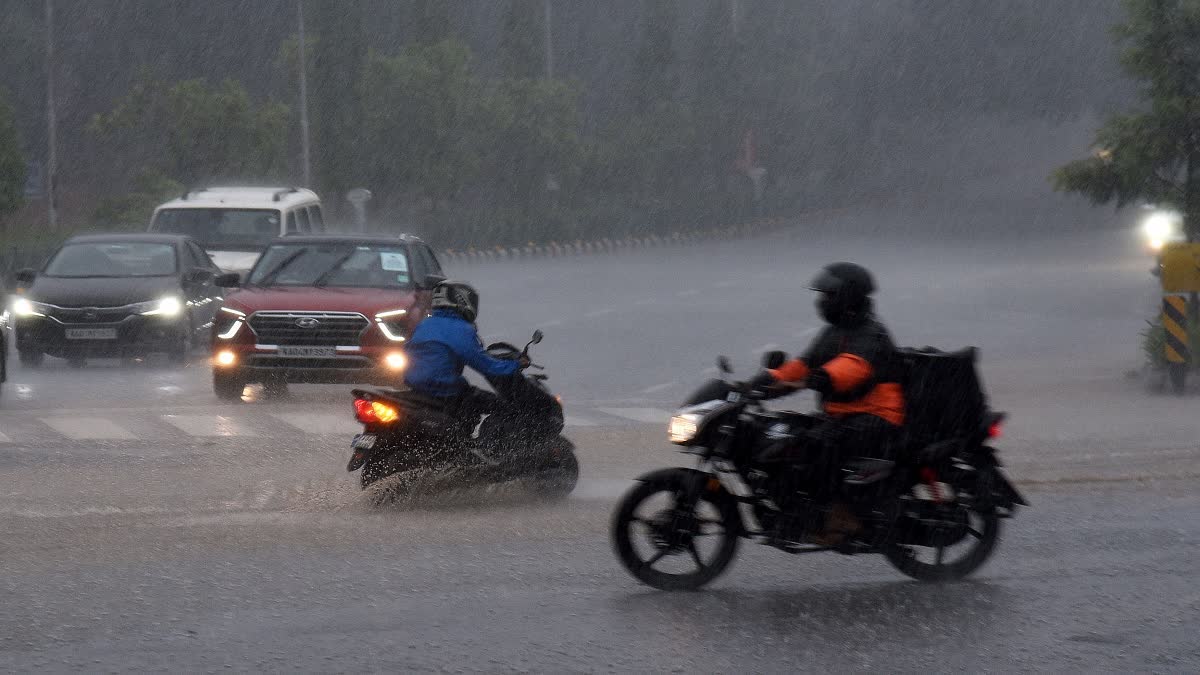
(147, 526)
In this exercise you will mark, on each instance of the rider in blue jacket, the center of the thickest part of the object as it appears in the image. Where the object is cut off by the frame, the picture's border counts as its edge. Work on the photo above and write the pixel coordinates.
(446, 342)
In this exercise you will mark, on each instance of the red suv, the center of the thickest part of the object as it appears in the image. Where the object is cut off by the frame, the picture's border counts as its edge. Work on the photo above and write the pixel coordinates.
(322, 309)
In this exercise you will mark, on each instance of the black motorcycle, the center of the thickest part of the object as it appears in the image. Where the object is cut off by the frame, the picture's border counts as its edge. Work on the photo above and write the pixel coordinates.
(404, 431)
(934, 512)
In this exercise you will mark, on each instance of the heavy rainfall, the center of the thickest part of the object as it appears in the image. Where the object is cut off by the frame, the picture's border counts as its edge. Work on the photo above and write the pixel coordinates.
(247, 248)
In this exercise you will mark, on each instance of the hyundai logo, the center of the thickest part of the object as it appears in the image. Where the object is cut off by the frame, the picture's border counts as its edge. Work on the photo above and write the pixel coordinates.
(307, 322)
(90, 314)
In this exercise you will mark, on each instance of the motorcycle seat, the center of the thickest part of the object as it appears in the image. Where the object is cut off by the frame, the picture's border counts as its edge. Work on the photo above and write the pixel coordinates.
(867, 470)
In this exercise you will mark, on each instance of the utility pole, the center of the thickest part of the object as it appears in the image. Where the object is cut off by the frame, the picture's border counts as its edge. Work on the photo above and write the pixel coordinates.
(304, 148)
(548, 34)
(51, 123)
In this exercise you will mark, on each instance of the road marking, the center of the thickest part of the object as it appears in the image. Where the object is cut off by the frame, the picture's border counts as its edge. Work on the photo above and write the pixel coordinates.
(4, 439)
(659, 387)
(88, 428)
(321, 424)
(647, 415)
(691, 292)
(599, 312)
(645, 301)
(576, 421)
(208, 425)
(726, 284)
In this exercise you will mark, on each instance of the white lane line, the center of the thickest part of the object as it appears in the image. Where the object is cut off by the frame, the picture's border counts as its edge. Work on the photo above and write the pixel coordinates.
(659, 387)
(647, 415)
(88, 428)
(4, 439)
(599, 312)
(576, 421)
(208, 425)
(317, 424)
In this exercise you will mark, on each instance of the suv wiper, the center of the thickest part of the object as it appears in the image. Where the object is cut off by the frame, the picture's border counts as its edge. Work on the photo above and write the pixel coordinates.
(337, 264)
(269, 277)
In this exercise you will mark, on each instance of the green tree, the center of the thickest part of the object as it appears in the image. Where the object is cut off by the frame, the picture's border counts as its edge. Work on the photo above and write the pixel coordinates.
(1152, 153)
(204, 132)
(339, 55)
(133, 211)
(426, 110)
(12, 163)
(522, 35)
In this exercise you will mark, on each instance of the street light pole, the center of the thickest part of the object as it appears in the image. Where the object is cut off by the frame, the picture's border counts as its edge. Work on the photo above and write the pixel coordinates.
(51, 122)
(548, 35)
(304, 148)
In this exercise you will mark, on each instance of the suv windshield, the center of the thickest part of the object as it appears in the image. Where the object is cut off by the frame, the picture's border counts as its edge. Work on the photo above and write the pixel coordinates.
(221, 228)
(113, 260)
(333, 264)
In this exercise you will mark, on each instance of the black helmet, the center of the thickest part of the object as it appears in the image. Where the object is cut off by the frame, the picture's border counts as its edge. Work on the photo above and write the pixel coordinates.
(459, 296)
(845, 290)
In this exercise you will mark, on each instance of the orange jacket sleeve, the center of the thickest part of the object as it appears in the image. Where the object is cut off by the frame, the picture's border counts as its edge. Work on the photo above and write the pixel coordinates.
(847, 371)
(792, 371)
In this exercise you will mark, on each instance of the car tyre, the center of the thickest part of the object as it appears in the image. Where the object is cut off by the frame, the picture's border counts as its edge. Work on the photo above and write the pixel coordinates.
(228, 384)
(31, 358)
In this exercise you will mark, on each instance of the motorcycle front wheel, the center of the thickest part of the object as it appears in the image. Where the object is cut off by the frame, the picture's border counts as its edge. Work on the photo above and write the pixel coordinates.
(665, 544)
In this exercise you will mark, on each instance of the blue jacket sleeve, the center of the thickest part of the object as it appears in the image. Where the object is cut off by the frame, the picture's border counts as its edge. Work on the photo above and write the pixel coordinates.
(470, 349)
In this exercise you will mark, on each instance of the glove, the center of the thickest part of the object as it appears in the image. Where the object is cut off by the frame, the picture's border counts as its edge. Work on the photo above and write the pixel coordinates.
(763, 380)
(818, 381)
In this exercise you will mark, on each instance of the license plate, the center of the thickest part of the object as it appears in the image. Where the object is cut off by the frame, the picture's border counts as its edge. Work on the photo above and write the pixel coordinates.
(308, 352)
(91, 333)
(363, 442)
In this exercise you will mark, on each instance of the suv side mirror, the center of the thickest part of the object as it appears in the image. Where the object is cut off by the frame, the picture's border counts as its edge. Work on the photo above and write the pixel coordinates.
(774, 359)
(199, 276)
(25, 277)
(229, 280)
(430, 281)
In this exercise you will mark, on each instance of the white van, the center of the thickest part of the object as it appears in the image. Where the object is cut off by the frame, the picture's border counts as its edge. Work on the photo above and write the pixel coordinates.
(235, 224)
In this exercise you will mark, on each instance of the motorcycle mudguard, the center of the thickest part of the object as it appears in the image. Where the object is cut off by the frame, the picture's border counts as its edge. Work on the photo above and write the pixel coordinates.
(694, 483)
(1008, 492)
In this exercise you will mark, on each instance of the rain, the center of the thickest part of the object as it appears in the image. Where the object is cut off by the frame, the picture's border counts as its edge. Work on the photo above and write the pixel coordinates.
(191, 189)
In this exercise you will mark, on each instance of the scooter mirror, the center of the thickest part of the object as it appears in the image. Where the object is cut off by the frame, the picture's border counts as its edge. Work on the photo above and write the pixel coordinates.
(537, 337)
(723, 365)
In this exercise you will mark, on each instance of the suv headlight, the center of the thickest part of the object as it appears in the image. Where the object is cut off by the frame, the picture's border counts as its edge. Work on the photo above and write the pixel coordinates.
(27, 307)
(682, 428)
(168, 307)
(391, 324)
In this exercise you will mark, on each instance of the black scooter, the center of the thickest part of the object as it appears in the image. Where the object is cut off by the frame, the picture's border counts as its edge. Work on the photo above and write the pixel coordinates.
(404, 431)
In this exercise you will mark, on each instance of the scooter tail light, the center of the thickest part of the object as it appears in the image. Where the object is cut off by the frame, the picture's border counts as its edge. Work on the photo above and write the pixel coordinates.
(375, 412)
(995, 430)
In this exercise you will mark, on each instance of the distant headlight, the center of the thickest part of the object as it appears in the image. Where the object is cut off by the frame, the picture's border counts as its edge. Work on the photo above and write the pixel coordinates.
(1161, 227)
(168, 306)
(390, 324)
(682, 428)
(27, 307)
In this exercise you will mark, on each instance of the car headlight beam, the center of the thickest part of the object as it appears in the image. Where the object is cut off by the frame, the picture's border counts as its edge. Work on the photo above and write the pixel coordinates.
(27, 307)
(169, 306)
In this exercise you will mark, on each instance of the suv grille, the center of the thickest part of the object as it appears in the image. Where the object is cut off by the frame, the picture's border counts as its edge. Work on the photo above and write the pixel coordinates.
(322, 329)
(91, 314)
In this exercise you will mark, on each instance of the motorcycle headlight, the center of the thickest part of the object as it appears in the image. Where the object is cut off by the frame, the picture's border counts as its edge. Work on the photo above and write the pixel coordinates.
(27, 307)
(168, 307)
(391, 324)
(682, 428)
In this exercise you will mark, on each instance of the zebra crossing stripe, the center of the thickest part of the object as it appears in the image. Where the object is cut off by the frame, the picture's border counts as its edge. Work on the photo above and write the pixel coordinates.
(208, 425)
(327, 424)
(4, 439)
(647, 415)
(88, 428)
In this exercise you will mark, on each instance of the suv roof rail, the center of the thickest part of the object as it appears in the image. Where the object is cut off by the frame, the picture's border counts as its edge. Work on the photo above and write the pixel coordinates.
(188, 192)
(280, 193)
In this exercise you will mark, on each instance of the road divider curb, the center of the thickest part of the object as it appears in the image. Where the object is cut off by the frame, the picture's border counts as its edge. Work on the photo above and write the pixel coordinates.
(606, 245)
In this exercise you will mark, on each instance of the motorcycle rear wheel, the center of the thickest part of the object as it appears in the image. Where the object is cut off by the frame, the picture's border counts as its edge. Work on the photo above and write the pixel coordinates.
(981, 536)
(672, 534)
(560, 475)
